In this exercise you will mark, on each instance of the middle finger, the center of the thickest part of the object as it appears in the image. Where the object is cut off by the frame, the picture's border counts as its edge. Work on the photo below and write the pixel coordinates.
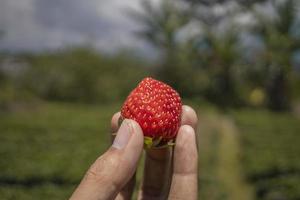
(158, 165)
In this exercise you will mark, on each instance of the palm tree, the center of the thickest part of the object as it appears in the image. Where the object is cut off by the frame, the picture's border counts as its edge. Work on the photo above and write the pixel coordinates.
(161, 25)
(219, 36)
(222, 62)
(279, 45)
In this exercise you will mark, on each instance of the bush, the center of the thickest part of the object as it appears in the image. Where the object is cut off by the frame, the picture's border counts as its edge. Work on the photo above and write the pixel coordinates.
(81, 75)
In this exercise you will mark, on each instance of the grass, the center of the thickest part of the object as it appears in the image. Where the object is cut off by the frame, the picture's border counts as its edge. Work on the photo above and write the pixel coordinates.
(45, 151)
(49, 149)
(271, 153)
(229, 165)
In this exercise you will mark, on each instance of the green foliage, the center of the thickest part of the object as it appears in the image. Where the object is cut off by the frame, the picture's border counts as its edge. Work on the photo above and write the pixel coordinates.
(6, 96)
(81, 75)
(161, 23)
(276, 58)
(46, 149)
(190, 68)
(222, 58)
(271, 153)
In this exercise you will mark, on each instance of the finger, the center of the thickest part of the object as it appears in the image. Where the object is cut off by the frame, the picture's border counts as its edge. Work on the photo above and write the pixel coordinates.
(189, 117)
(114, 168)
(158, 163)
(127, 191)
(114, 124)
(157, 173)
(184, 180)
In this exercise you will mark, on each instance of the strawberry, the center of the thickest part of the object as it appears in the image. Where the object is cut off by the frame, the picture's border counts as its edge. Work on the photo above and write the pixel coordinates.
(157, 108)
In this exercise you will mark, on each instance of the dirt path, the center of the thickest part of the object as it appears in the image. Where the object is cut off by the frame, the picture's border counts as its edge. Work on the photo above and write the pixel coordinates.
(229, 168)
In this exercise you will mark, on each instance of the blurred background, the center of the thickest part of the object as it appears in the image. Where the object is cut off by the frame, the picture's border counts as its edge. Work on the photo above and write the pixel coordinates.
(67, 65)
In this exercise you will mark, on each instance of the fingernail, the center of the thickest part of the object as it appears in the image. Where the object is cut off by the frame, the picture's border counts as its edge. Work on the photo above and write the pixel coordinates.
(123, 135)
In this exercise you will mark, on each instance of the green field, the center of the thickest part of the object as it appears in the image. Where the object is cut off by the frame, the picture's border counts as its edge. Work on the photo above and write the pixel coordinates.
(271, 150)
(46, 149)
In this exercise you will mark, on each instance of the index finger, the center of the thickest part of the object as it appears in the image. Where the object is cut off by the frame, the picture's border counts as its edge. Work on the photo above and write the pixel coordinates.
(114, 124)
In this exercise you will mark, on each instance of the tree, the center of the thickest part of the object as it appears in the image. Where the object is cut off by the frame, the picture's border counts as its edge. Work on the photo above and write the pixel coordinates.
(161, 25)
(214, 49)
(280, 43)
(2, 77)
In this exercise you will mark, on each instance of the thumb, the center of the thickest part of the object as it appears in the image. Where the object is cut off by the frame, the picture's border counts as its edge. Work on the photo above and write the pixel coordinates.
(115, 167)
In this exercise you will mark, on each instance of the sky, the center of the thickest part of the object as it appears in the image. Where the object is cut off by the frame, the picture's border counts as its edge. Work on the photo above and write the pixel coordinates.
(34, 25)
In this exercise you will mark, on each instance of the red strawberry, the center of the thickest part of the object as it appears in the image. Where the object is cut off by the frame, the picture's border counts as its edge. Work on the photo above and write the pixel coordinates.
(157, 108)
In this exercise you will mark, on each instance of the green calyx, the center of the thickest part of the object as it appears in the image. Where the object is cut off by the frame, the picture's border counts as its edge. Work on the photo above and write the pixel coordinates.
(157, 143)
(152, 143)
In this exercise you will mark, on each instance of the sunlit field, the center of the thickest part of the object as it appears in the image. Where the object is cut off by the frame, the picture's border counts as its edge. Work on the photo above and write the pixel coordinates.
(46, 150)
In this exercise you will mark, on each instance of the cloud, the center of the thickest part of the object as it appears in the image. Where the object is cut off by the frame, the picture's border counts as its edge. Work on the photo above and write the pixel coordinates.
(50, 24)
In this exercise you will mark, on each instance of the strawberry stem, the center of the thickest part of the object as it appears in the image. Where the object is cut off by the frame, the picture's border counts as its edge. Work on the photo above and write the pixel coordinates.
(148, 142)
(157, 143)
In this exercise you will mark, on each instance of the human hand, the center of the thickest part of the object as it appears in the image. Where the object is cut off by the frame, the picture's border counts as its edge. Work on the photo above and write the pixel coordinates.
(168, 173)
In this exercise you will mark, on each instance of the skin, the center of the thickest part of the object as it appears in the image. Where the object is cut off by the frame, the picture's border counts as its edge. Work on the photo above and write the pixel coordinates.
(169, 173)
